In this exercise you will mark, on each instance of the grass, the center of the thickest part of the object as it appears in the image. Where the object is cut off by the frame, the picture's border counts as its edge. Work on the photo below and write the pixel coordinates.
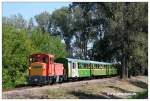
(99, 91)
(141, 95)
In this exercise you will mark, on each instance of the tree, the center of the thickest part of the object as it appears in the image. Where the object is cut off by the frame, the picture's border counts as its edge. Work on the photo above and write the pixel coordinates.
(16, 49)
(43, 21)
(89, 20)
(62, 23)
(16, 20)
(30, 24)
(122, 24)
(130, 22)
(48, 44)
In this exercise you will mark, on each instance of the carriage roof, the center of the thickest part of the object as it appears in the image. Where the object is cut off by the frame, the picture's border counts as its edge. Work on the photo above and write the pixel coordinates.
(88, 61)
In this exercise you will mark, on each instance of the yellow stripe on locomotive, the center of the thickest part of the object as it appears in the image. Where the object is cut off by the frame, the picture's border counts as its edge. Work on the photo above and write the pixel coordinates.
(37, 69)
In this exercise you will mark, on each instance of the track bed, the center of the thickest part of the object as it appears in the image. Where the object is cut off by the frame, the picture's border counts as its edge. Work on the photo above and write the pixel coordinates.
(86, 89)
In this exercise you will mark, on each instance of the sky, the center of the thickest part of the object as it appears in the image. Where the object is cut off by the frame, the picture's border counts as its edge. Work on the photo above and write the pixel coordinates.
(28, 10)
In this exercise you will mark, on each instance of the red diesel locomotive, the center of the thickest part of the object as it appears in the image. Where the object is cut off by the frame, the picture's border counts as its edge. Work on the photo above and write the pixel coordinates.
(43, 70)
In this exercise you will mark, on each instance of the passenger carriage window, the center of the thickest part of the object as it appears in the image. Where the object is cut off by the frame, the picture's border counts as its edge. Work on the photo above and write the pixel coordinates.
(93, 66)
(79, 66)
(99, 66)
(89, 66)
(73, 65)
(84, 66)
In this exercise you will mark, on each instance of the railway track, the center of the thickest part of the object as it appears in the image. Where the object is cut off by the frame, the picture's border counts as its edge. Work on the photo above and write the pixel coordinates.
(24, 87)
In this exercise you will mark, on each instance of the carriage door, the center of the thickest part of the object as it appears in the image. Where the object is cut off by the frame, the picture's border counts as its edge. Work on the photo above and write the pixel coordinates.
(74, 69)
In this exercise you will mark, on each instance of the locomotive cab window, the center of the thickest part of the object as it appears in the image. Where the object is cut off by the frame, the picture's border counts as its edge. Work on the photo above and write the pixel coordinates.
(33, 60)
(51, 60)
(45, 60)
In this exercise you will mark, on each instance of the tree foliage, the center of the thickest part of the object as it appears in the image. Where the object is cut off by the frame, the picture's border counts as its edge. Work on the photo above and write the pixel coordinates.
(125, 32)
(18, 45)
(43, 21)
(16, 49)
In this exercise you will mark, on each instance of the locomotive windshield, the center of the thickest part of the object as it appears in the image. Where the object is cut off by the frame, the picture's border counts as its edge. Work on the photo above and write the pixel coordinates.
(39, 59)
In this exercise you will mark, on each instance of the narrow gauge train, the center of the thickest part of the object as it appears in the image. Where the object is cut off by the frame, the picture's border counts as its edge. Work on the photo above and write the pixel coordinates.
(43, 69)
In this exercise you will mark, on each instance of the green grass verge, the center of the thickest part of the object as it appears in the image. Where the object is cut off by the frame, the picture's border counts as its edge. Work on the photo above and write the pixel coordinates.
(141, 95)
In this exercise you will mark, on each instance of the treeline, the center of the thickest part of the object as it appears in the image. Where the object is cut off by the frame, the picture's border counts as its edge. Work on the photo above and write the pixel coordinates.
(110, 32)
(18, 44)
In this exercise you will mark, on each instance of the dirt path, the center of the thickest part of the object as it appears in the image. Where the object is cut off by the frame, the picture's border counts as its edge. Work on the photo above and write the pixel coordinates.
(94, 89)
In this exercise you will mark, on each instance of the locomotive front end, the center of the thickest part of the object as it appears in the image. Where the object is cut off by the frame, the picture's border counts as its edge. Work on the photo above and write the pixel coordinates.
(38, 69)
(37, 73)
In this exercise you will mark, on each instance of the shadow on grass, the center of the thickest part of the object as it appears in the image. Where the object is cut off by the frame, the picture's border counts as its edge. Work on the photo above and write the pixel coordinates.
(21, 85)
(138, 83)
(83, 95)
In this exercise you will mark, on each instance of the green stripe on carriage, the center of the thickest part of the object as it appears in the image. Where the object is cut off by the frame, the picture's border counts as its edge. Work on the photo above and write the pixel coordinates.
(84, 72)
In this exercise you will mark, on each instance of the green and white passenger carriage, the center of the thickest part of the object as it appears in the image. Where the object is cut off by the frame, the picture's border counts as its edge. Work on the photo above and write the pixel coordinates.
(76, 68)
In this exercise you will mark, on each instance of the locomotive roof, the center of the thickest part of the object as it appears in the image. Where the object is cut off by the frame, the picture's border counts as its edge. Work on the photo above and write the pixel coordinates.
(52, 56)
(88, 61)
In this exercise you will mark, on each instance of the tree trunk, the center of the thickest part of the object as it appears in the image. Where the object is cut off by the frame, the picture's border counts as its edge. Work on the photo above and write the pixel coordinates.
(124, 70)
